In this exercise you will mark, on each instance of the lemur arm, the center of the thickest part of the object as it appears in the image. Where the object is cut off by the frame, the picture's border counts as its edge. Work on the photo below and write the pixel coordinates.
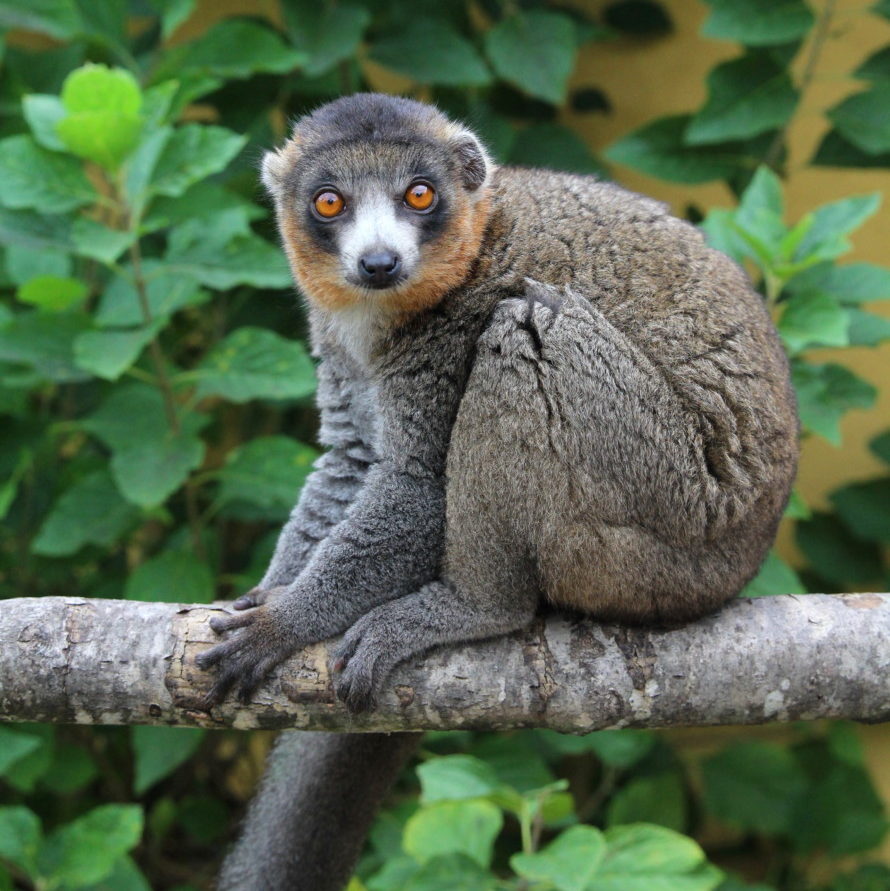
(335, 482)
(390, 542)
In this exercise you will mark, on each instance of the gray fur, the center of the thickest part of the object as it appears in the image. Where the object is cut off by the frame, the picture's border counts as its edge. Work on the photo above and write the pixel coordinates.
(600, 415)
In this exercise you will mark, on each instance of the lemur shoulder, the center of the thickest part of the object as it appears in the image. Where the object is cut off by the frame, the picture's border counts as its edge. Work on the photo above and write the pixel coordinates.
(534, 387)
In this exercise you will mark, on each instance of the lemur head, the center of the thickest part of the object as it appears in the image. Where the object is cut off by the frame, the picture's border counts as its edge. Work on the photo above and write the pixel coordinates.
(379, 199)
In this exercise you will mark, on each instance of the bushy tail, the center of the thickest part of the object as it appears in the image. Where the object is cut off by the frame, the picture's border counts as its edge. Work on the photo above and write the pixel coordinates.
(306, 825)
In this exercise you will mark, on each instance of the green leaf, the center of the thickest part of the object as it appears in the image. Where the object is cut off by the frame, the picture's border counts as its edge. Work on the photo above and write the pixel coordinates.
(171, 577)
(866, 328)
(825, 393)
(746, 96)
(825, 238)
(100, 88)
(431, 52)
(880, 446)
(166, 293)
(658, 799)
(108, 354)
(72, 769)
(463, 827)
(456, 872)
(553, 146)
(64, 531)
(327, 35)
(202, 200)
(862, 119)
(33, 767)
(43, 342)
(36, 178)
(534, 51)
(23, 264)
(222, 253)
(865, 508)
(98, 242)
(758, 22)
(86, 850)
(840, 813)
(658, 149)
(774, 577)
(797, 508)
(126, 876)
(651, 858)
(456, 777)
(255, 363)
(14, 746)
(232, 49)
(763, 193)
(813, 318)
(616, 748)
(835, 554)
(753, 785)
(149, 460)
(849, 284)
(836, 150)
(569, 863)
(60, 19)
(20, 836)
(192, 153)
(43, 112)
(102, 123)
(52, 293)
(876, 66)
(158, 751)
(173, 14)
(268, 473)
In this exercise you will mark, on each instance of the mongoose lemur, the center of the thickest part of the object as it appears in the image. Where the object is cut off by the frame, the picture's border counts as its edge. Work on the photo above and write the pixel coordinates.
(534, 386)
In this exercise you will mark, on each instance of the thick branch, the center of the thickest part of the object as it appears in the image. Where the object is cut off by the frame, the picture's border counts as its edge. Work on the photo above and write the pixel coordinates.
(772, 659)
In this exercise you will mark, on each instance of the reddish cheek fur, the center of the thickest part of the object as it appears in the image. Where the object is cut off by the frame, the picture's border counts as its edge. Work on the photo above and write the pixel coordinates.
(443, 265)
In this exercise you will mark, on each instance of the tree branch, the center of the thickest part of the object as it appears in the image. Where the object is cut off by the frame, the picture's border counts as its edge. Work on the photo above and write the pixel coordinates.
(771, 659)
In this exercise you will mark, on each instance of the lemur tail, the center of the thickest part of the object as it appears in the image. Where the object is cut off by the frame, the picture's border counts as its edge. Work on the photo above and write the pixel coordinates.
(306, 825)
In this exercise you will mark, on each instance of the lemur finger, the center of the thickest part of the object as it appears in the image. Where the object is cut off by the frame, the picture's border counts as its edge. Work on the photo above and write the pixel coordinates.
(345, 651)
(221, 624)
(255, 677)
(253, 597)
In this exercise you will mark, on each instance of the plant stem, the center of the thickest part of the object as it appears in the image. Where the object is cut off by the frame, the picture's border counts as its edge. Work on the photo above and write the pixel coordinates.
(157, 354)
(820, 35)
(169, 397)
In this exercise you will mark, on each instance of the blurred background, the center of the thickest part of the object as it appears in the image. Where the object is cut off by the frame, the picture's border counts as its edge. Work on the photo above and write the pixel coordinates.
(156, 392)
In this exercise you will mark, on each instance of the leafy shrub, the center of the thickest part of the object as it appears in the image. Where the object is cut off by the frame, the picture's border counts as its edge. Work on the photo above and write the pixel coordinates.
(156, 399)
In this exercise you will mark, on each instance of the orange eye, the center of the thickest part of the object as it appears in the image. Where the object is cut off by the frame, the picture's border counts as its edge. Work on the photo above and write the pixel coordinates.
(420, 196)
(328, 203)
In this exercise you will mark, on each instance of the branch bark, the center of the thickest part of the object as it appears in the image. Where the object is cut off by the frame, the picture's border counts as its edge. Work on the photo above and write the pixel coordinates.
(772, 659)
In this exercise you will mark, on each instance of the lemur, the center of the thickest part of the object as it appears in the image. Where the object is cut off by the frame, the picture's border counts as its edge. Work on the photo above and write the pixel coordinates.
(534, 387)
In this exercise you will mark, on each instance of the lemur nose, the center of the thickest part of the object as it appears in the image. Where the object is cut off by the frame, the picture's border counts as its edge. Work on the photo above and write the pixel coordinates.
(380, 269)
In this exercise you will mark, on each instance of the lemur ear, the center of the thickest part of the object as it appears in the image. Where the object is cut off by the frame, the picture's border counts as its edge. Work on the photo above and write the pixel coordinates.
(272, 171)
(474, 162)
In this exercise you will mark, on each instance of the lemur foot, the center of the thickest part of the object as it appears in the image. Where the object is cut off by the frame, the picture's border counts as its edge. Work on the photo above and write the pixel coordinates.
(261, 643)
(364, 660)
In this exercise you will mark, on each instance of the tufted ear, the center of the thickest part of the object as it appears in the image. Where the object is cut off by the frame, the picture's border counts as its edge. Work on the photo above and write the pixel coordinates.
(272, 172)
(475, 164)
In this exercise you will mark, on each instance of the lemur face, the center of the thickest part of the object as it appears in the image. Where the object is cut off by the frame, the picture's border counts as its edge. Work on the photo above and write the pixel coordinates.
(380, 201)
(375, 207)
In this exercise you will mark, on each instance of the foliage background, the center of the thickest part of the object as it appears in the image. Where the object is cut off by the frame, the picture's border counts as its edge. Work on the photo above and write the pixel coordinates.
(104, 492)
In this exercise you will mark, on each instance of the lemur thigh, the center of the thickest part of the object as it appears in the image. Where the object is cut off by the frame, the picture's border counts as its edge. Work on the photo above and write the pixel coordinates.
(574, 438)
(305, 827)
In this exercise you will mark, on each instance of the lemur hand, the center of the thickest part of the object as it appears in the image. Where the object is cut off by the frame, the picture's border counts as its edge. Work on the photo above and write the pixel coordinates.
(263, 640)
